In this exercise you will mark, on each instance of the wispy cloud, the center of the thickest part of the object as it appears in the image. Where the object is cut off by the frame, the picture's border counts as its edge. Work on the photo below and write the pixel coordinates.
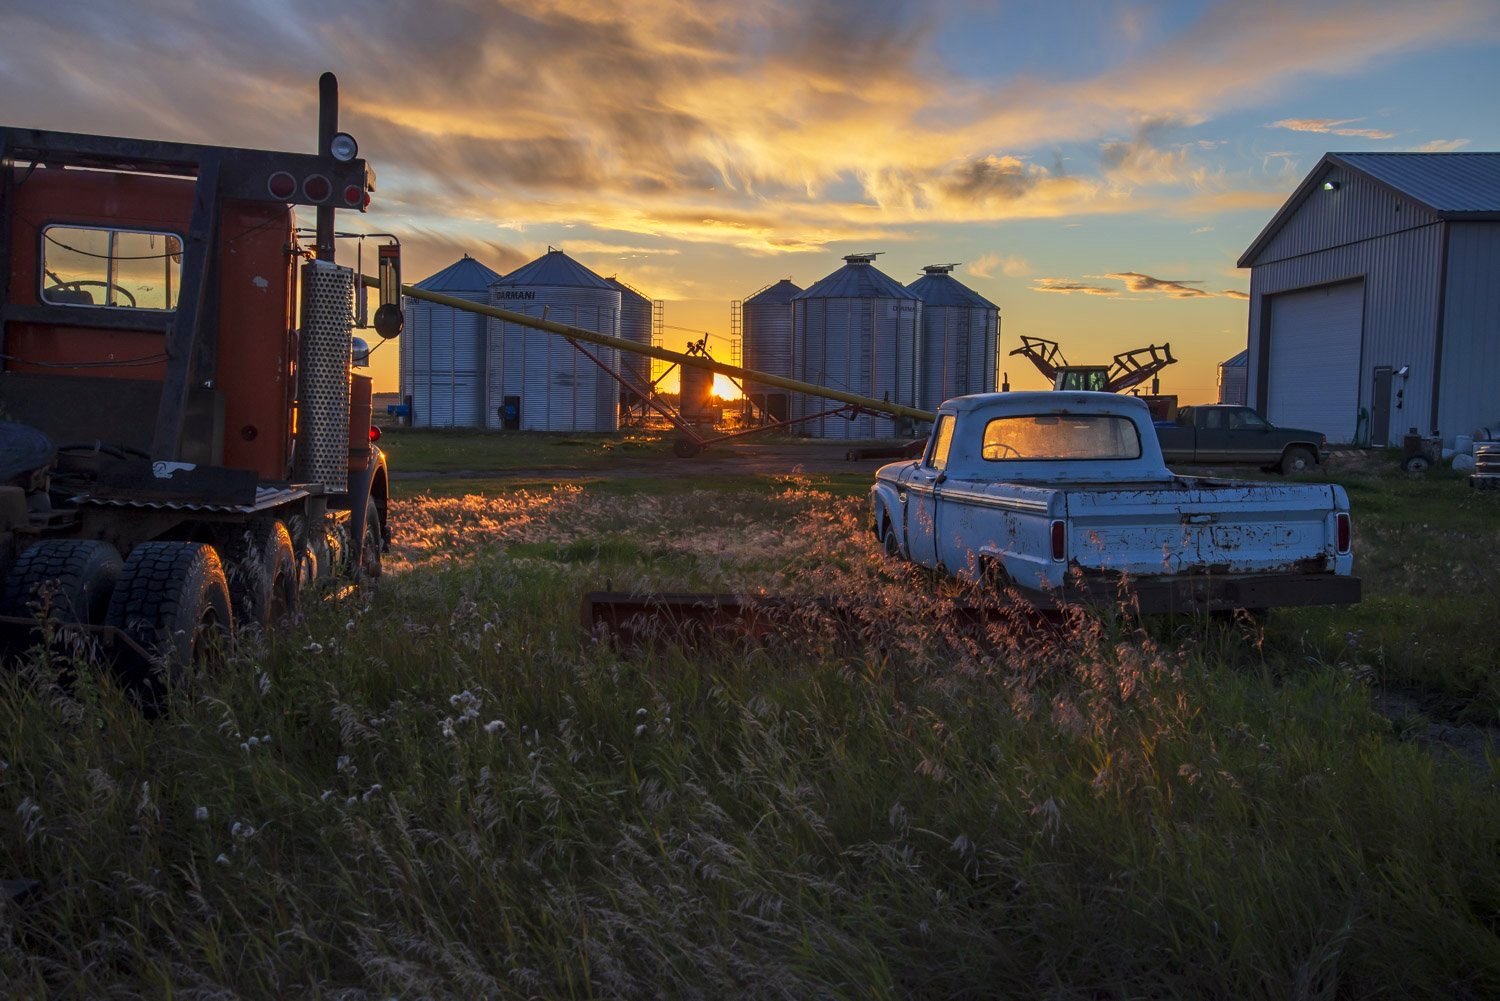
(1172, 288)
(1066, 286)
(1333, 126)
(1011, 266)
(1141, 286)
(1440, 146)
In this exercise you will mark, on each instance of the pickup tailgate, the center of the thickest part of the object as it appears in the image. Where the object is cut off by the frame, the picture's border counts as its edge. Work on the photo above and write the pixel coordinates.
(1203, 526)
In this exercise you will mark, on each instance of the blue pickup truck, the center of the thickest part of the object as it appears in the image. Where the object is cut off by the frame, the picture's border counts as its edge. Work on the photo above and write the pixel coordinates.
(1065, 497)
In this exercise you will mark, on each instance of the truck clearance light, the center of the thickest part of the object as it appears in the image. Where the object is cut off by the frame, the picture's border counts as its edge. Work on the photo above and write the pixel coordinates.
(1343, 531)
(374, 434)
(282, 185)
(1059, 541)
(353, 196)
(316, 188)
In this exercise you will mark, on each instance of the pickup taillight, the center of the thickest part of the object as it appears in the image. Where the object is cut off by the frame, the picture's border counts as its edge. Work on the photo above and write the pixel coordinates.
(1059, 541)
(1343, 532)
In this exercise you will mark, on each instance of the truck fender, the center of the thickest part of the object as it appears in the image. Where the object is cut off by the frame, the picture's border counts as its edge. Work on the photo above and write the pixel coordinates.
(369, 482)
(886, 511)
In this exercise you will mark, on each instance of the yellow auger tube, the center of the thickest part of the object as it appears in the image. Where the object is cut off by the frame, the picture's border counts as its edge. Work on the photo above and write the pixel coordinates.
(696, 361)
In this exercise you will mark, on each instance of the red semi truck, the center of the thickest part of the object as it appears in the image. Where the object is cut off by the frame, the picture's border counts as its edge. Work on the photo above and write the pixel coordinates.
(183, 444)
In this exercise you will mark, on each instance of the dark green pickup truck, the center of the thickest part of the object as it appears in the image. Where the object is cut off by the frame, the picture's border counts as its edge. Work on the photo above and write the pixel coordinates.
(1217, 434)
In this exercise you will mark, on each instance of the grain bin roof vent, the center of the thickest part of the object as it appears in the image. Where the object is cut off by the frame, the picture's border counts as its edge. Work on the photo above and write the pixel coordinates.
(857, 279)
(939, 288)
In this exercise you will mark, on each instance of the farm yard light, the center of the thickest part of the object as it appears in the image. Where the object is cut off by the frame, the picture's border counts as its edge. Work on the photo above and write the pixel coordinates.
(1330, 185)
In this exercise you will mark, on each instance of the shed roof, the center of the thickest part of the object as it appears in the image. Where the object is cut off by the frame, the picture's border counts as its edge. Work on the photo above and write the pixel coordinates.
(857, 279)
(555, 268)
(1459, 186)
(937, 287)
(463, 275)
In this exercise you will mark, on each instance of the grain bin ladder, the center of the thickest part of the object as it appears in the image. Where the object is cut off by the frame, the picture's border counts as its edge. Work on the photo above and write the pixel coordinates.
(851, 402)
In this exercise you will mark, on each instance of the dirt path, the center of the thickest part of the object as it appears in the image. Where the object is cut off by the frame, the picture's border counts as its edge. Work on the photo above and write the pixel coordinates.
(729, 459)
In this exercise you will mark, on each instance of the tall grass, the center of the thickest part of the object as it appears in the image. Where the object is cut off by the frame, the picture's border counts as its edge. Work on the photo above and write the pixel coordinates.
(439, 788)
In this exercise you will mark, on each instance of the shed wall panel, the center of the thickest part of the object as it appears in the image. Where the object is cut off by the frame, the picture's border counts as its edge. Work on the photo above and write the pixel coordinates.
(1470, 391)
(1360, 209)
(1400, 271)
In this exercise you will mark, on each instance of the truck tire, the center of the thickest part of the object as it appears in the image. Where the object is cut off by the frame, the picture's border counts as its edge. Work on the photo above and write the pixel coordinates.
(172, 600)
(72, 578)
(1297, 459)
(370, 562)
(262, 575)
(891, 544)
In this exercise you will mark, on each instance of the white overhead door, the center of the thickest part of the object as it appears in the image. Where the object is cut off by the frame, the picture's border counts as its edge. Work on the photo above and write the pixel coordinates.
(1313, 378)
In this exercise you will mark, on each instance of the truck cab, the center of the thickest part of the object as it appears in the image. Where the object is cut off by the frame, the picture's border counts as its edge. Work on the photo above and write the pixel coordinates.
(1222, 433)
(176, 393)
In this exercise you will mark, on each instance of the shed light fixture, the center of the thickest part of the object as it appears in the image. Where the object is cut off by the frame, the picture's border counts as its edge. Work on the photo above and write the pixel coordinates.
(1330, 185)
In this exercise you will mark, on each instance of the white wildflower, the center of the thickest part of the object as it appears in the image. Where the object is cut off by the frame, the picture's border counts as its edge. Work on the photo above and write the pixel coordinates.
(313, 648)
(494, 726)
(201, 813)
(222, 859)
(263, 683)
(640, 729)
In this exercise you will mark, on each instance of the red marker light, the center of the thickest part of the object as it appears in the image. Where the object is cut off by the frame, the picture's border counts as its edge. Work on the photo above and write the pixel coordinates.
(1059, 540)
(316, 188)
(374, 434)
(353, 196)
(281, 185)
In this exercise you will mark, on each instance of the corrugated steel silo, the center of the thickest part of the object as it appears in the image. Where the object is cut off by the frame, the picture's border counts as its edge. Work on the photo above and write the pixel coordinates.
(635, 325)
(960, 337)
(766, 319)
(443, 350)
(858, 330)
(1233, 377)
(544, 383)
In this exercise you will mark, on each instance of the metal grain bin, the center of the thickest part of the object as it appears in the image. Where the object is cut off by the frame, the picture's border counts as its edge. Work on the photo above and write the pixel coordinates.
(858, 330)
(635, 325)
(543, 382)
(1232, 379)
(960, 336)
(766, 319)
(443, 350)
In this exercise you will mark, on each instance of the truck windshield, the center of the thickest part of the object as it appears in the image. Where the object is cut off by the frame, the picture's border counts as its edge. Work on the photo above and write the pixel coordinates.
(87, 266)
(1059, 436)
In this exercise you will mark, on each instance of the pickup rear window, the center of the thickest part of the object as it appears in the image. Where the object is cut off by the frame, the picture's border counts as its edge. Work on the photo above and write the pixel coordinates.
(1060, 436)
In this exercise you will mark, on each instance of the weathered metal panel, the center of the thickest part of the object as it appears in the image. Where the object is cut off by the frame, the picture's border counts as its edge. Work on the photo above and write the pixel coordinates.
(1400, 272)
(1359, 209)
(1469, 395)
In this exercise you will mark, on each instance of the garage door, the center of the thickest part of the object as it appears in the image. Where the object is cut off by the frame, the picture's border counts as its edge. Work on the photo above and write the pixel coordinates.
(1313, 378)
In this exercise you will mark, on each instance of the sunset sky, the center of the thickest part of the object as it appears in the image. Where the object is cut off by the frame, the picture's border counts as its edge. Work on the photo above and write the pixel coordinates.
(1096, 166)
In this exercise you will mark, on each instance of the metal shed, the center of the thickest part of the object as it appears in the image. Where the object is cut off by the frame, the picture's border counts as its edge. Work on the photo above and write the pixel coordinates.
(1374, 306)
(443, 351)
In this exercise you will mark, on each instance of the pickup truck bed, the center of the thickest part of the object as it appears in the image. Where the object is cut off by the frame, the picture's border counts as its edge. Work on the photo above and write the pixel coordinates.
(1073, 529)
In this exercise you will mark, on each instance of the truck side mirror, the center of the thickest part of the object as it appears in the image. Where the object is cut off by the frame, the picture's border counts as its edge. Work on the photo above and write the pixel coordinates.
(388, 318)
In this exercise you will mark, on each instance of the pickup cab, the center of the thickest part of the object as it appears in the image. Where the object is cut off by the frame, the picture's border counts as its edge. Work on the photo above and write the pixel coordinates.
(1218, 434)
(1065, 497)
